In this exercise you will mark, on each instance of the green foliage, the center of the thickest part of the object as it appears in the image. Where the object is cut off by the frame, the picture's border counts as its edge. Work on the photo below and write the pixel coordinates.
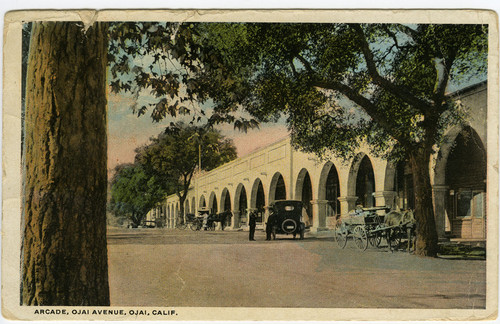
(173, 155)
(337, 84)
(168, 62)
(134, 193)
(341, 84)
(166, 166)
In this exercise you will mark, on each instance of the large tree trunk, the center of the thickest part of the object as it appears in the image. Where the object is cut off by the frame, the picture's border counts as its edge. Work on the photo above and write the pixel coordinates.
(64, 243)
(427, 240)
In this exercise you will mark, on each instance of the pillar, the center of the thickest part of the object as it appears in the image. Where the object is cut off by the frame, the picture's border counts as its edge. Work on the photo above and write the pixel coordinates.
(235, 221)
(266, 214)
(319, 210)
(440, 195)
(385, 198)
(346, 204)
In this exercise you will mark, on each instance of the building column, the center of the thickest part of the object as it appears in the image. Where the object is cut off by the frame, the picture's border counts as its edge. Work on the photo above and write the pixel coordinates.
(236, 223)
(347, 204)
(440, 195)
(266, 214)
(385, 198)
(319, 209)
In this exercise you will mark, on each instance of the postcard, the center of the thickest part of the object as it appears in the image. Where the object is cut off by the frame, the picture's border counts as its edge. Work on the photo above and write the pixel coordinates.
(263, 165)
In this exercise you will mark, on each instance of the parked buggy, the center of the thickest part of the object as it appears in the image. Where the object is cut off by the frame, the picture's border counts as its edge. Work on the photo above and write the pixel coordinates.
(363, 225)
(200, 220)
(367, 227)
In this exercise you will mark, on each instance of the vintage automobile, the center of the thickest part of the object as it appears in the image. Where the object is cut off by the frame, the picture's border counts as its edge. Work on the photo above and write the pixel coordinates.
(288, 217)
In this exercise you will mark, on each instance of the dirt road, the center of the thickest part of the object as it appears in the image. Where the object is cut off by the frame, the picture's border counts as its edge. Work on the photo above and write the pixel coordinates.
(165, 267)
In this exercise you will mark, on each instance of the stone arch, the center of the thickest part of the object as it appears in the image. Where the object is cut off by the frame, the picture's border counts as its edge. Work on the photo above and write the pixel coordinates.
(240, 204)
(361, 182)
(304, 192)
(257, 196)
(329, 189)
(446, 148)
(258, 199)
(212, 203)
(277, 188)
(460, 185)
(225, 205)
(202, 203)
(225, 200)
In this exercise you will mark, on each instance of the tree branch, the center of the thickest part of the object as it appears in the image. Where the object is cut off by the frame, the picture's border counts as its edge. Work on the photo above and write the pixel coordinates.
(293, 68)
(306, 63)
(397, 90)
(442, 77)
(370, 108)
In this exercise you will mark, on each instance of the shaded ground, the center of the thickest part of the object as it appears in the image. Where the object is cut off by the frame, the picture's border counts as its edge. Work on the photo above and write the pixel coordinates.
(165, 267)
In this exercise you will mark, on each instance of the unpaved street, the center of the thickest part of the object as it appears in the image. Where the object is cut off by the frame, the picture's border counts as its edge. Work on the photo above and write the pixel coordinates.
(165, 267)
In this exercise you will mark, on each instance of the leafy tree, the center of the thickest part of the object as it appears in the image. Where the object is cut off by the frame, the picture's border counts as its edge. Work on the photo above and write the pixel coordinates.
(165, 61)
(134, 193)
(174, 155)
(64, 254)
(393, 76)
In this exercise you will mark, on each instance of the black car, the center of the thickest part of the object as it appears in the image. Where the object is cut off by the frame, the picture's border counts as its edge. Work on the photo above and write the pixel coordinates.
(288, 217)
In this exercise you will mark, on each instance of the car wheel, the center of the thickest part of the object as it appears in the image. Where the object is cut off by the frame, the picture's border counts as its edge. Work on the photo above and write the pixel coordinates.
(289, 226)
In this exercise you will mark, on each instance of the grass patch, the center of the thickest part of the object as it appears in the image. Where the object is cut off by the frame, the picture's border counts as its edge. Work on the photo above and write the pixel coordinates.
(462, 251)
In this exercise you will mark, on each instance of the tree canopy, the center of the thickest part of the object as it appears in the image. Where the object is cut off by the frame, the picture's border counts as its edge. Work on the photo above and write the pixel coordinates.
(134, 193)
(341, 84)
(173, 156)
(378, 82)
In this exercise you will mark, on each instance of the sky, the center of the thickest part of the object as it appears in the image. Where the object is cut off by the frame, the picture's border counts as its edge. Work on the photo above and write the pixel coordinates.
(126, 131)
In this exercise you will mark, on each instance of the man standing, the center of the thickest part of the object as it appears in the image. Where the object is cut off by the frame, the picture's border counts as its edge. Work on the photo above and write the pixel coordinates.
(252, 223)
(271, 225)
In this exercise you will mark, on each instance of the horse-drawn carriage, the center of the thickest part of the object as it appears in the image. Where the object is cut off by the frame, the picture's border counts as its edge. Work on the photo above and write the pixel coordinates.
(368, 226)
(208, 221)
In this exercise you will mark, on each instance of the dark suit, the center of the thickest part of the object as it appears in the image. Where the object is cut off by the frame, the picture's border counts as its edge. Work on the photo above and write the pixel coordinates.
(252, 223)
(271, 226)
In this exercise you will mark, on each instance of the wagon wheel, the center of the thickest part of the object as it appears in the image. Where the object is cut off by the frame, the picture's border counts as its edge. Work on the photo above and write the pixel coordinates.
(341, 235)
(376, 236)
(194, 226)
(360, 237)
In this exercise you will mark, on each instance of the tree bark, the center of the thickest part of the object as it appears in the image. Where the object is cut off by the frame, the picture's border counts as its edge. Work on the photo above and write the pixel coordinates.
(64, 257)
(180, 217)
(427, 239)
